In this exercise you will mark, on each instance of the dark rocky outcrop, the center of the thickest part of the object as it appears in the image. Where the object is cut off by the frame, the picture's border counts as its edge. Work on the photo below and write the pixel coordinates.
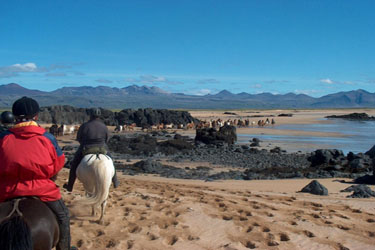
(354, 116)
(333, 162)
(65, 114)
(139, 145)
(371, 152)
(150, 166)
(147, 145)
(315, 187)
(365, 179)
(359, 191)
(251, 162)
(225, 134)
(255, 142)
(148, 116)
(326, 156)
(229, 113)
(70, 115)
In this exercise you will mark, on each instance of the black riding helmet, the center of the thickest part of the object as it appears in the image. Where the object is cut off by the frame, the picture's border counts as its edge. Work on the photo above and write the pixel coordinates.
(95, 112)
(7, 117)
(25, 107)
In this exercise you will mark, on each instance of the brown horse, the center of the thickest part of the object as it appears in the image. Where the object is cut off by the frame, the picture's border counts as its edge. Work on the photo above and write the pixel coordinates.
(27, 223)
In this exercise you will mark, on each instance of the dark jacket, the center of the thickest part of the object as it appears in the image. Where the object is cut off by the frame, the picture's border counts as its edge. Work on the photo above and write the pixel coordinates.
(93, 133)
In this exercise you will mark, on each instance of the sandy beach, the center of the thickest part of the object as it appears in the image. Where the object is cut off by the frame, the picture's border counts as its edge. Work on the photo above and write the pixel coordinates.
(150, 212)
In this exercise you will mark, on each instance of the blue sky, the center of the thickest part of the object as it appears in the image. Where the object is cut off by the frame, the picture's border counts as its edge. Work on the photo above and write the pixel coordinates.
(192, 47)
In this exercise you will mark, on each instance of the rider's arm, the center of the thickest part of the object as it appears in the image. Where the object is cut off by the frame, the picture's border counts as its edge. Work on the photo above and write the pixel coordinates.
(79, 134)
(56, 153)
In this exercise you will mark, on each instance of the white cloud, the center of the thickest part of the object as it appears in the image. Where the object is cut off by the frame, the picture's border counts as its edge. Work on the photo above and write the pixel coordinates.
(27, 67)
(327, 80)
(15, 69)
(30, 67)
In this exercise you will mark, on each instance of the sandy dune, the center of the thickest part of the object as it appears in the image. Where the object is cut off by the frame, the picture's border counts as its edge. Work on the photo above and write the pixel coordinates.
(148, 212)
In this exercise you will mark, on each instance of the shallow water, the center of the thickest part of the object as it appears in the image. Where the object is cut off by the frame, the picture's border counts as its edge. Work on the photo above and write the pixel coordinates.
(359, 136)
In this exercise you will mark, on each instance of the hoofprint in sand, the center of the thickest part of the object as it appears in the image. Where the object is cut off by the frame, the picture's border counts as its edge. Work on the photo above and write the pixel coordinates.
(148, 212)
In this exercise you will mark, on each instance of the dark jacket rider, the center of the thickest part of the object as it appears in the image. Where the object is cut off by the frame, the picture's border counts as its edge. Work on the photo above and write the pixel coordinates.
(92, 134)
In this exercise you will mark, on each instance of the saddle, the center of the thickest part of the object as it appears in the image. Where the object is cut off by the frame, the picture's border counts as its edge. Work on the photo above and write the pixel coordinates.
(94, 150)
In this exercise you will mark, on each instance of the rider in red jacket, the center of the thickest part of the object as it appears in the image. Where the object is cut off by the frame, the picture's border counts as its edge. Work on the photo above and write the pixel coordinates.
(29, 158)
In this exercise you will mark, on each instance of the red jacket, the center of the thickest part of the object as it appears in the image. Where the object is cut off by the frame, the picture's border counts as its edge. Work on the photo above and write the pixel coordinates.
(29, 157)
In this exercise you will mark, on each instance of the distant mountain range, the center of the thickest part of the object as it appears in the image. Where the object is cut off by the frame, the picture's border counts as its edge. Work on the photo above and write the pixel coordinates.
(153, 97)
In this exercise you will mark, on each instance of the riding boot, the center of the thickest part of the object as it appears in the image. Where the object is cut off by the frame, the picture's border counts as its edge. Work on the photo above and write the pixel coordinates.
(72, 177)
(62, 214)
(73, 169)
(115, 181)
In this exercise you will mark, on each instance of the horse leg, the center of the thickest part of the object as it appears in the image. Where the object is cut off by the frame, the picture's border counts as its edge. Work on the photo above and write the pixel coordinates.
(102, 211)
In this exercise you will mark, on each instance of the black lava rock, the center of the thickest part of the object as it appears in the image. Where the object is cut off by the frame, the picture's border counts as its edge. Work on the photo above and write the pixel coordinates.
(359, 191)
(315, 187)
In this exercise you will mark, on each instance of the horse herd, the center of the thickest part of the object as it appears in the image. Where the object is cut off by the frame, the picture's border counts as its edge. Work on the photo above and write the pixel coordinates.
(218, 123)
(63, 129)
(202, 124)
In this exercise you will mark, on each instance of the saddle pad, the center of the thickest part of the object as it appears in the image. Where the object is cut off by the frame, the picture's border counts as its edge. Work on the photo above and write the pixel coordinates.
(94, 150)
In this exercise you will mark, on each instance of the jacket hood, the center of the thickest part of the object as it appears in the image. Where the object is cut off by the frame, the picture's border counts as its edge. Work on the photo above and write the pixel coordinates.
(27, 130)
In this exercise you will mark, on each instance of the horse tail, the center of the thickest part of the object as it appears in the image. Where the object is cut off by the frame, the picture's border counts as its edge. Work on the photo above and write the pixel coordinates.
(15, 234)
(104, 171)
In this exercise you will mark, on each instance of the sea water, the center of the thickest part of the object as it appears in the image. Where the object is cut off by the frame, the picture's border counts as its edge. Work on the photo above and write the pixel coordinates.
(358, 136)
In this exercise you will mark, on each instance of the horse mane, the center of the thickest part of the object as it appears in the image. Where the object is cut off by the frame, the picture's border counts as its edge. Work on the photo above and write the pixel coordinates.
(15, 234)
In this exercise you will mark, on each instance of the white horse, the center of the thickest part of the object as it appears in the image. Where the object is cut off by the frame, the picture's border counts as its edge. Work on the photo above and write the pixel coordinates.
(119, 128)
(67, 130)
(95, 171)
